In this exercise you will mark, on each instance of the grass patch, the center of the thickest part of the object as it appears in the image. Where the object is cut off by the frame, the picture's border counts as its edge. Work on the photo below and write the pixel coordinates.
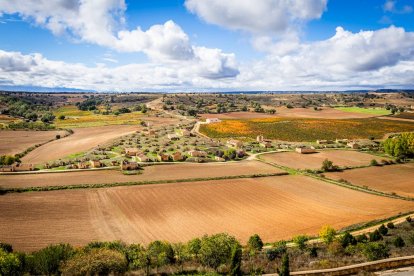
(301, 129)
(75, 118)
(371, 111)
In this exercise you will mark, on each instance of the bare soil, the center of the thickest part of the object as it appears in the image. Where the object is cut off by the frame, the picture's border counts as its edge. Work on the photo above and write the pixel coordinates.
(12, 142)
(81, 140)
(151, 173)
(314, 160)
(397, 179)
(273, 207)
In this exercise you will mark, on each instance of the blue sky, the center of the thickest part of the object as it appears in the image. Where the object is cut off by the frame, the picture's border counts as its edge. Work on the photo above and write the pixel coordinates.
(213, 46)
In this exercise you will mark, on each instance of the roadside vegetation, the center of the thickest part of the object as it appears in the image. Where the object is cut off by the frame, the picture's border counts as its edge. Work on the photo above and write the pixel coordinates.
(217, 254)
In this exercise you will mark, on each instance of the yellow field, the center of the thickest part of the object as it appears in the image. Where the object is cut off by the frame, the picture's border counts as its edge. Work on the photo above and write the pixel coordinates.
(76, 118)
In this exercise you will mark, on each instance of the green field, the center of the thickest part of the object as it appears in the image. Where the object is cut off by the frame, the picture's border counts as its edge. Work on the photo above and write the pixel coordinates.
(76, 118)
(300, 130)
(371, 111)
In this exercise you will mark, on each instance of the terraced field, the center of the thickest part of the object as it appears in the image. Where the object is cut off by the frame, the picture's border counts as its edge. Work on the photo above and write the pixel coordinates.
(273, 207)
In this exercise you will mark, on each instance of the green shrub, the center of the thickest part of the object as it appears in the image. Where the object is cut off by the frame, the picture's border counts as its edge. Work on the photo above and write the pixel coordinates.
(216, 250)
(161, 253)
(255, 243)
(375, 236)
(300, 241)
(284, 269)
(100, 261)
(236, 260)
(373, 162)
(8, 248)
(390, 225)
(361, 238)
(375, 251)
(327, 234)
(47, 260)
(383, 230)
(399, 242)
(9, 263)
(347, 239)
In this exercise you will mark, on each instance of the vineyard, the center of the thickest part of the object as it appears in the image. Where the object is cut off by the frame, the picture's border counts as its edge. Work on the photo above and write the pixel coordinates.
(296, 129)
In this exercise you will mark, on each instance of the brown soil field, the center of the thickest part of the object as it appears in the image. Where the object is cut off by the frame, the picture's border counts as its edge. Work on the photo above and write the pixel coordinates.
(12, 142)
(397, 179)
(325, 113)
(82, 139)
(314, 161)
(151, 173)
(274, 207)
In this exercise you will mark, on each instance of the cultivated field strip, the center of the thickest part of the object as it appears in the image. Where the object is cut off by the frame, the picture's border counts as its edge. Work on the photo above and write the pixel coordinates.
(398, 179)
(273, 207)
(150, 173)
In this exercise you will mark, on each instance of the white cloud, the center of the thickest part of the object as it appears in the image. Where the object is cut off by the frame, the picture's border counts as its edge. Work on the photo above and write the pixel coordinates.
(367, 59)
(391, 6)
(265, 16)
(102, 22)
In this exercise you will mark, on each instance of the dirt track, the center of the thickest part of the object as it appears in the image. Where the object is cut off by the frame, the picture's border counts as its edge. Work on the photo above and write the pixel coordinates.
(325, 113)
(12, 142)
(314, 160)
(273, 207)
(152, 173)
(82, 139)
(397, 179)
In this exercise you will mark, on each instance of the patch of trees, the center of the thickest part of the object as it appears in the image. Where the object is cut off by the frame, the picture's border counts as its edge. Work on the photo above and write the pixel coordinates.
(8, 159)
(30, 125)
(89, 104)
(400, 146)
(328, 166)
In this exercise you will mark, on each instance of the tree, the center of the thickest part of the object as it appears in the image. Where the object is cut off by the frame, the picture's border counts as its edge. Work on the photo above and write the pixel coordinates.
(374, 251)
(98, 261)
(181, 254)
(347, 239)
(47, 260)
(48, 117)
(62, 117)
(327, 234)
(216, 250)
(255, 243)
(328, 166)
(375, 236)
(161, 253)
(390, 225)
(374, 162)
(399, 242)
(400, 146)
(7, 159)
(193, 247)
(9, 263)
(235, 260)
(383, 230)
(284, 269)
(300, 241)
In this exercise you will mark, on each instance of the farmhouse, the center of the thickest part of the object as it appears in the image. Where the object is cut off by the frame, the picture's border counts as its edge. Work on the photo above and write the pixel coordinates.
(265, 144)
(163, 157)
(304, 150)
(324, 142)
(83, 165)
(234, 143)
(213, 120)
(177, 156)
(17, 167)
(128, 166)
(131, 152)
(353, 145)
(197, 153)
(341, 141)
(172, 137)
(95, 163)
(142, 158)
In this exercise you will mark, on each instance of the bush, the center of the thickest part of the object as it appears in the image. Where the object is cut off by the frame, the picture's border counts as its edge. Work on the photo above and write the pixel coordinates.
(9, 263)
(300, 241)
(408, 219)
(373, 162)
(399, 242)
(284, 269)
(161, 253)
(383, 230)
(375, 251)
(99, 261)
(193, 247)
(328, 166)
(47, 260)
(361, 238)
(347, 239)
(8, 248)
(313, 252)
(390, 225)
(58, 136)
(62, 117)
(236, 260)
(375, 236)
(137, 257)
(327, 234)
(216, 250)
(255, 243)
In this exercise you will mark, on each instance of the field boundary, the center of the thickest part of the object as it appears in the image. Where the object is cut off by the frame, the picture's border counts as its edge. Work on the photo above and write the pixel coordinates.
(4, 191)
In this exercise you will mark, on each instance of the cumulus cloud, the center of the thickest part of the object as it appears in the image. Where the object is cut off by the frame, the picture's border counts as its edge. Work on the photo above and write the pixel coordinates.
(265, 16)
(102, 22)
(391, 6)
(367, 59)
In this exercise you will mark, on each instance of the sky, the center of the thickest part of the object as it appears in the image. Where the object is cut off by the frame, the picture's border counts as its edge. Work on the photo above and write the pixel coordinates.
(206, 45)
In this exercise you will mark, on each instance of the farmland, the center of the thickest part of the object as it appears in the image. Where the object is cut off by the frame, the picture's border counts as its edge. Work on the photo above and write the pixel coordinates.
(294, 129)
(150, 173)
(370, 111)
(390, 179)
(81, 140)
(342, 158)
(13, 142)
(178, 212)
(75, 118)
